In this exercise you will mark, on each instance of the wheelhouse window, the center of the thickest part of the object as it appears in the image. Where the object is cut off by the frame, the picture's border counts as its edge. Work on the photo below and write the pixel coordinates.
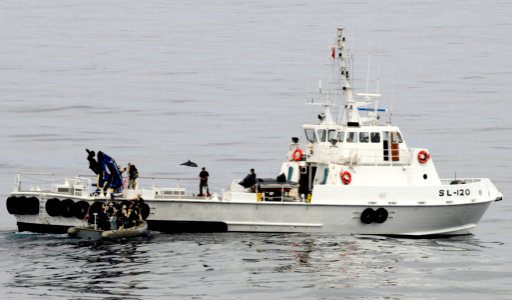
(341, 136)
(375, 137)
(310, 135)
(397, 138)
(351, 137)
(331, 134)
(322, 135)
(364, 137)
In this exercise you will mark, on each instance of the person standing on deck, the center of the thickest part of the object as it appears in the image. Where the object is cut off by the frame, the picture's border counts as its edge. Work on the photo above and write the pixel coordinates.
(203, 182)
(133, 174)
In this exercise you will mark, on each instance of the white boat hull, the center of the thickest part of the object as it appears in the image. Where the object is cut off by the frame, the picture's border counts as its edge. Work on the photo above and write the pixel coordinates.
(427, 213)
(175, 216)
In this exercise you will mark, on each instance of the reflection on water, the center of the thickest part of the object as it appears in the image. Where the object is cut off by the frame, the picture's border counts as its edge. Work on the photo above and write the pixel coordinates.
(55, 264)
(202, 265)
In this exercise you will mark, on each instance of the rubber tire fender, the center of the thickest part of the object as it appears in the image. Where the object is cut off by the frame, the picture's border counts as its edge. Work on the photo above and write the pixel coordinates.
(53, 207)
(95, 208)
(144, 211)
(80, 209)
(368, 216)
(67, 208)
(381, 215)
(12, 205)
(32, 206)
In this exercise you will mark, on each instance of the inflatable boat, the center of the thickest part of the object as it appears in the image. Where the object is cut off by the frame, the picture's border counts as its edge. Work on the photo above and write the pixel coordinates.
(93, 234)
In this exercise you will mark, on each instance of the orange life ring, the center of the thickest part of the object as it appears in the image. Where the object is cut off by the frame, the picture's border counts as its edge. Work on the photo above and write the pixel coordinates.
(346, 177)
(423, 157)
(297, 154)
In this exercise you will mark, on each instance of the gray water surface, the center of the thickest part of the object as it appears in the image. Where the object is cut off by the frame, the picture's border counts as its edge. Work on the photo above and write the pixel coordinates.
(224, 84)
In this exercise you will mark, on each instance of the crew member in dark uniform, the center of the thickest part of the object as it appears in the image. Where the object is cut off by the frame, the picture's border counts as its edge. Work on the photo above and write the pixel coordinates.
(249, 180)
(133, 174)
(203, 182)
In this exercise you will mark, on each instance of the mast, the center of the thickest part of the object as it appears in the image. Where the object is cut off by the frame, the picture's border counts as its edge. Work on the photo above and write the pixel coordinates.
(352, 107)
(351, 116)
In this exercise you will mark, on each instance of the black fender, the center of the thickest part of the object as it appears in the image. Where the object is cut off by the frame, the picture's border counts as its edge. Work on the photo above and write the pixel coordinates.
(381, 215)
(368, 216)
(95, 208)
(53, 207)
(32, 206)
(67, 208)
(12, 205)
(144, 210)
(80, 209)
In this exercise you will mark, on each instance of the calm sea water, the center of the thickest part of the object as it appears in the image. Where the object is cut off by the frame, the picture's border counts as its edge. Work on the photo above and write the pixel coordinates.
(224, 84)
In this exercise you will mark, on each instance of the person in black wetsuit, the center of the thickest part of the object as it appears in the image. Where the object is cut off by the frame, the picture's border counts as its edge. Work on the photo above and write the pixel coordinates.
(102, 219)
(203, 182)
(249, 180)
(133, 174)
(122, 215)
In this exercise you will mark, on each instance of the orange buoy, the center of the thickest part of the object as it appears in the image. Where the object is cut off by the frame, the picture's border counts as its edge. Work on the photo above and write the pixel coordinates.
(297, 154)
(346, 177)
(423, 157)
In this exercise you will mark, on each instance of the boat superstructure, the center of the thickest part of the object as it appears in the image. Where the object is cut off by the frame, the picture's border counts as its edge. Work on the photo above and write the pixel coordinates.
(353, 175)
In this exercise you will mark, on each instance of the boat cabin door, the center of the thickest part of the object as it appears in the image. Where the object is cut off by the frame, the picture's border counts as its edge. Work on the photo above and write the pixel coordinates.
(307, 175)
(391, 145)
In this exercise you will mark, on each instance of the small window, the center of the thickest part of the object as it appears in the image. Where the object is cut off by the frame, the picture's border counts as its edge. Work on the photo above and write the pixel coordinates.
(290, 173)
(326, 175)
(341, 136)
(322, 134)
(352, 137)
(310, 135)
(364, 137)
(375, 137)
(397, 138)
(331, 135)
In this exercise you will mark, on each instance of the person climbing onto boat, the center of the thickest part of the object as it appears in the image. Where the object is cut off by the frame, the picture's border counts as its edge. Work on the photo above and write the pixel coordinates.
(203, 182)
(112, 215)
(249, 180)
(102, 219)
(133, 216)
(133, 174)
(122, 216)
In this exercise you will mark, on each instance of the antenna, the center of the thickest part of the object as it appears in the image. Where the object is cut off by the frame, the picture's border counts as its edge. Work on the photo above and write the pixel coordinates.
(392, 100)
(378, 71)
(368, 72)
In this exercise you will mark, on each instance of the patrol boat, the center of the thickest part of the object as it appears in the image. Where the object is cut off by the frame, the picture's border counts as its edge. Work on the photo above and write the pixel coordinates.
(353, 176)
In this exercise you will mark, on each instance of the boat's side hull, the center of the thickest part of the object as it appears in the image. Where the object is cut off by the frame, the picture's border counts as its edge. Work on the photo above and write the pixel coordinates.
(34, 226)
(198, 215)
(187, 216)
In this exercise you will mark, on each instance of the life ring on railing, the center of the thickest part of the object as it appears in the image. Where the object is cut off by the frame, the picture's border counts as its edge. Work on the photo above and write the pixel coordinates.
(346, 177)
(423, 157)
(297, 154)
